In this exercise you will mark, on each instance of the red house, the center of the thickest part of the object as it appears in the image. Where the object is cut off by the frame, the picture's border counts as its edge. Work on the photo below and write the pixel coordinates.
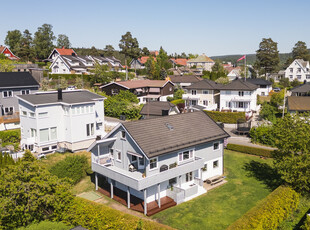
(8, 53)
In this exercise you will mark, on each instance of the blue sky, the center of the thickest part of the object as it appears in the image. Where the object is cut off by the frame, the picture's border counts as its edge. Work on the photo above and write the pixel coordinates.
(217, 27)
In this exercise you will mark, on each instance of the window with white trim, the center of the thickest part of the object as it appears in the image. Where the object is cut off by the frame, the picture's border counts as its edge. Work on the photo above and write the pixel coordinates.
(90, 131)
(153, 163)
(205, 102)
(8, 110)
(186, 155)
(216, 145)
(32, 114)
(42, 114)
(7, 94)
(241, 93)
(189, 176)
(119, 156)
(123, 134)
(24, 113)
(44, 135)
(33, 132)
(25, 91)
(194, 92)
(205, 91)
(215, 164)
(53, 133)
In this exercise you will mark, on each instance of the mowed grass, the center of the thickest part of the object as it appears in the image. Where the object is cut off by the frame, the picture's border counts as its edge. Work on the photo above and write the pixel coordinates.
(248, 182)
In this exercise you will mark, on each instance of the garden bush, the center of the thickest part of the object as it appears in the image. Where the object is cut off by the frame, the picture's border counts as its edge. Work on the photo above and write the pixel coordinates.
(250, 150)
(46, 225)
(263, 134)
(226, 117)
(306, 225)
(73, 167)
(10, 137)
(91, 215)
(269, 212)
(178, 101)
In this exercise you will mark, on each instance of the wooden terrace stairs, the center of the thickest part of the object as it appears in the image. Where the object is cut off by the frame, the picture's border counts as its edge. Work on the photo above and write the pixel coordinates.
(136, 203)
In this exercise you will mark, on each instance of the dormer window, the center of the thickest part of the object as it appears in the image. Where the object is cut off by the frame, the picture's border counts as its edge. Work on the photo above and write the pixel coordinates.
(123, 135)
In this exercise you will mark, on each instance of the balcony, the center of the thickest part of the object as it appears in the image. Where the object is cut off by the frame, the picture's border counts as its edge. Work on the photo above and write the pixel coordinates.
(12, 118)
(189, 96)
(135, 179)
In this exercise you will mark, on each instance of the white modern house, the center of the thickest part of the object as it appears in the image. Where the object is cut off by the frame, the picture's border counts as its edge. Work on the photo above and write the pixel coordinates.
(202, 62)
(69, 120)
(159, 159)
(239, 96)
(60, 51)
(298, 69)
(204, 94)
(264, 86)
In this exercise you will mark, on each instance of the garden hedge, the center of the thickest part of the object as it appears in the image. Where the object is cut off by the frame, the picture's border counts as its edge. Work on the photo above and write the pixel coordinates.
(262, 134)
(250, 150)
(10, 137)
(91, 215)
(226, 117)
(177, 101)
(269, 212)
(306, 225)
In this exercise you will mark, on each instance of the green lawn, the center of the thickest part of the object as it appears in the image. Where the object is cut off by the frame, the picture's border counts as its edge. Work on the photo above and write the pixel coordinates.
(250, 179)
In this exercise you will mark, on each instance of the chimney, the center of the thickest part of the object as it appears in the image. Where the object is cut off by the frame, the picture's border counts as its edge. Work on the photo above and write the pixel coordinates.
(59, 94)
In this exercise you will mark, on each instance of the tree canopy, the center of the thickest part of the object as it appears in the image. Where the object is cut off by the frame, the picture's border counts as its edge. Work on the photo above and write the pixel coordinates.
(43, 41)
(12, 40)
(300, 51)
(63, 41)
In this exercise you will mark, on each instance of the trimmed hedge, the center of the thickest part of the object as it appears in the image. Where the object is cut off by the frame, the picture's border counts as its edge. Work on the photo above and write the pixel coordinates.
(177, 101)
(46, 225)
(262, 134)
(306, 225)
(226, 117)
(91, 215)
(250, 150)
(269, 212)
(73, 167)
(10, 137)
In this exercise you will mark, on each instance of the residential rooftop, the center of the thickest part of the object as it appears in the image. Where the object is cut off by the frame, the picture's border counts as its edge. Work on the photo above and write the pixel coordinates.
(205, 84)
(304, 88)
(156, 107)
(301, 104)
(17, 79)
(132, 84)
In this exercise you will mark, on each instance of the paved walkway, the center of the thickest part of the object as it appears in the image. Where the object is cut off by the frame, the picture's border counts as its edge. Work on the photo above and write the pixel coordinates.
(243, 140)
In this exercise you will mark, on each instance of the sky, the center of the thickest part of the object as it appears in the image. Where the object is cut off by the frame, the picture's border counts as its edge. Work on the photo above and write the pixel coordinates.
(218, 27)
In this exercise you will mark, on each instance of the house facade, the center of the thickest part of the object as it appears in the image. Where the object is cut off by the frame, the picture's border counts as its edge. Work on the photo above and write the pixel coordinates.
(184, 80)
(8, 53)
(13, 84)
(263, 86)
(61, 51)
(152, 158)
(239, 96)
(298, 104)
(146, 90)
(205, 94)
(301, 90)
(202, 62)
(54, 120)
(157, 109)
(298, 70)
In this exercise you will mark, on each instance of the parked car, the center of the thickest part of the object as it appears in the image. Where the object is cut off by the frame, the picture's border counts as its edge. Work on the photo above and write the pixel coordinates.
(276, 89)
(41, 156)
(71, 87)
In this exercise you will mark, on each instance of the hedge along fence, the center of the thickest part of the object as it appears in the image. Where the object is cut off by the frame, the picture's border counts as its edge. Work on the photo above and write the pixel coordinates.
(269, 212)
(250, 150)
(226, 117)
(91, 215)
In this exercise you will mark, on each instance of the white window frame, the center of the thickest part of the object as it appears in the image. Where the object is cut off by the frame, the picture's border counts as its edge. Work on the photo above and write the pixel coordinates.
(8, 94)
(118, 155)
(194, 92)
(154, 158)
(181, 155)
(205, 102)
(32, 114)
(205, 91)
(190, 175)
(42, 114)
(25, 90)
(123, 138)
(24, 113)
(217, 162)
(8, 109)
(219, 145)
(140, 166)
(90, 130)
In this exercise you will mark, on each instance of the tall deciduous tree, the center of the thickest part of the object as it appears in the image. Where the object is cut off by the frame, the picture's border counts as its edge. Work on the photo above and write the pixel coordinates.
(300, 51)
(292, 160)
(129, 47)
(109, 50)
(163, 59)
(12, 40)
(63, 41)
(268, 56)
(145, 51)
(43, 41)
(26, 51)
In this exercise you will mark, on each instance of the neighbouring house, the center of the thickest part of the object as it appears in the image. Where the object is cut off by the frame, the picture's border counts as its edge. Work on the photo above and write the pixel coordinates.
(140, 62)
(300, 104)
(152, 161)
(60, 120)
(158, 108)
(33, 69)
(178, 61)
(152, 90)
(184, 70)
(12, 84)
(184, 80)
(113, 63)
(301, 90)
(264, 86)
(202, 62)
(233, 72)
(239, 96)
(277, 76)
(68, 64)
(60, 51)
(8, 53)
(298, 70)
(204, 94)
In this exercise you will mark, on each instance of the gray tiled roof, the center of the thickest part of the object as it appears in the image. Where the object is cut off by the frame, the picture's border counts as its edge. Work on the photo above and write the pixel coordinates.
(298, 103)
(17, 79)
(304, 88)
(205, 84)
(184, 78)
(239, 84)
(69, 97)
(189, 129)
(258, 81)
(156, 107)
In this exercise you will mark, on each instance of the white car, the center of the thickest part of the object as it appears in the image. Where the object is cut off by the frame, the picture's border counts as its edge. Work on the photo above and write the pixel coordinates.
(72, 87)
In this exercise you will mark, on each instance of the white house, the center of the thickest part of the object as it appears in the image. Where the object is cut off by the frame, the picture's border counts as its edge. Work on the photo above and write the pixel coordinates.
(298, 69)
(160, 160)
(264, 86)
(239, 95)
(202, 62)
(60, 120)
(60, 51)
(67, 64)
(205, 94)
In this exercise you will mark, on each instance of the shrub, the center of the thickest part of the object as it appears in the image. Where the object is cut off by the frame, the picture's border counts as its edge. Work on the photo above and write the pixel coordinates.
(263, 134)
(46, 225)
(268, 112)
(5, 160)
(91, 215)
(10, 137)
(306, 225)
(250, 150)
(73, 167)
(178, 101)
(226, 117)
(269, 212)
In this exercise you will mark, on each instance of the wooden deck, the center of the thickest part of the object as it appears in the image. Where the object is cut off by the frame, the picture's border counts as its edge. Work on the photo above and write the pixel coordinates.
(136, 203)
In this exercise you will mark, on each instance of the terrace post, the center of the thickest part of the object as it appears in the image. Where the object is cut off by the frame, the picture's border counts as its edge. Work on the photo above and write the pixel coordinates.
(158, 192)
(128, 197)
(111, 186)
(96, 181)
(145, 205)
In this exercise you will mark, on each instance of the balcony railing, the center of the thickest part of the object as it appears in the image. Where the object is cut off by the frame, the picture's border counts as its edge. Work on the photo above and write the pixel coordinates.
(13, 118)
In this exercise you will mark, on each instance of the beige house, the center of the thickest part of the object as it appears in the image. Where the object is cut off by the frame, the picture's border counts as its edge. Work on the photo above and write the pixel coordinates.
(202, 62)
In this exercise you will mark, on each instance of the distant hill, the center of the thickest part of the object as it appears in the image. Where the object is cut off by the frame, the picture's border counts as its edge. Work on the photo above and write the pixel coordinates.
(251, 58)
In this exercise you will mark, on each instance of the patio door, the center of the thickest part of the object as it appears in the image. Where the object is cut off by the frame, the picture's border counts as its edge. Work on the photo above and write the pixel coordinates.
(189, 176)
